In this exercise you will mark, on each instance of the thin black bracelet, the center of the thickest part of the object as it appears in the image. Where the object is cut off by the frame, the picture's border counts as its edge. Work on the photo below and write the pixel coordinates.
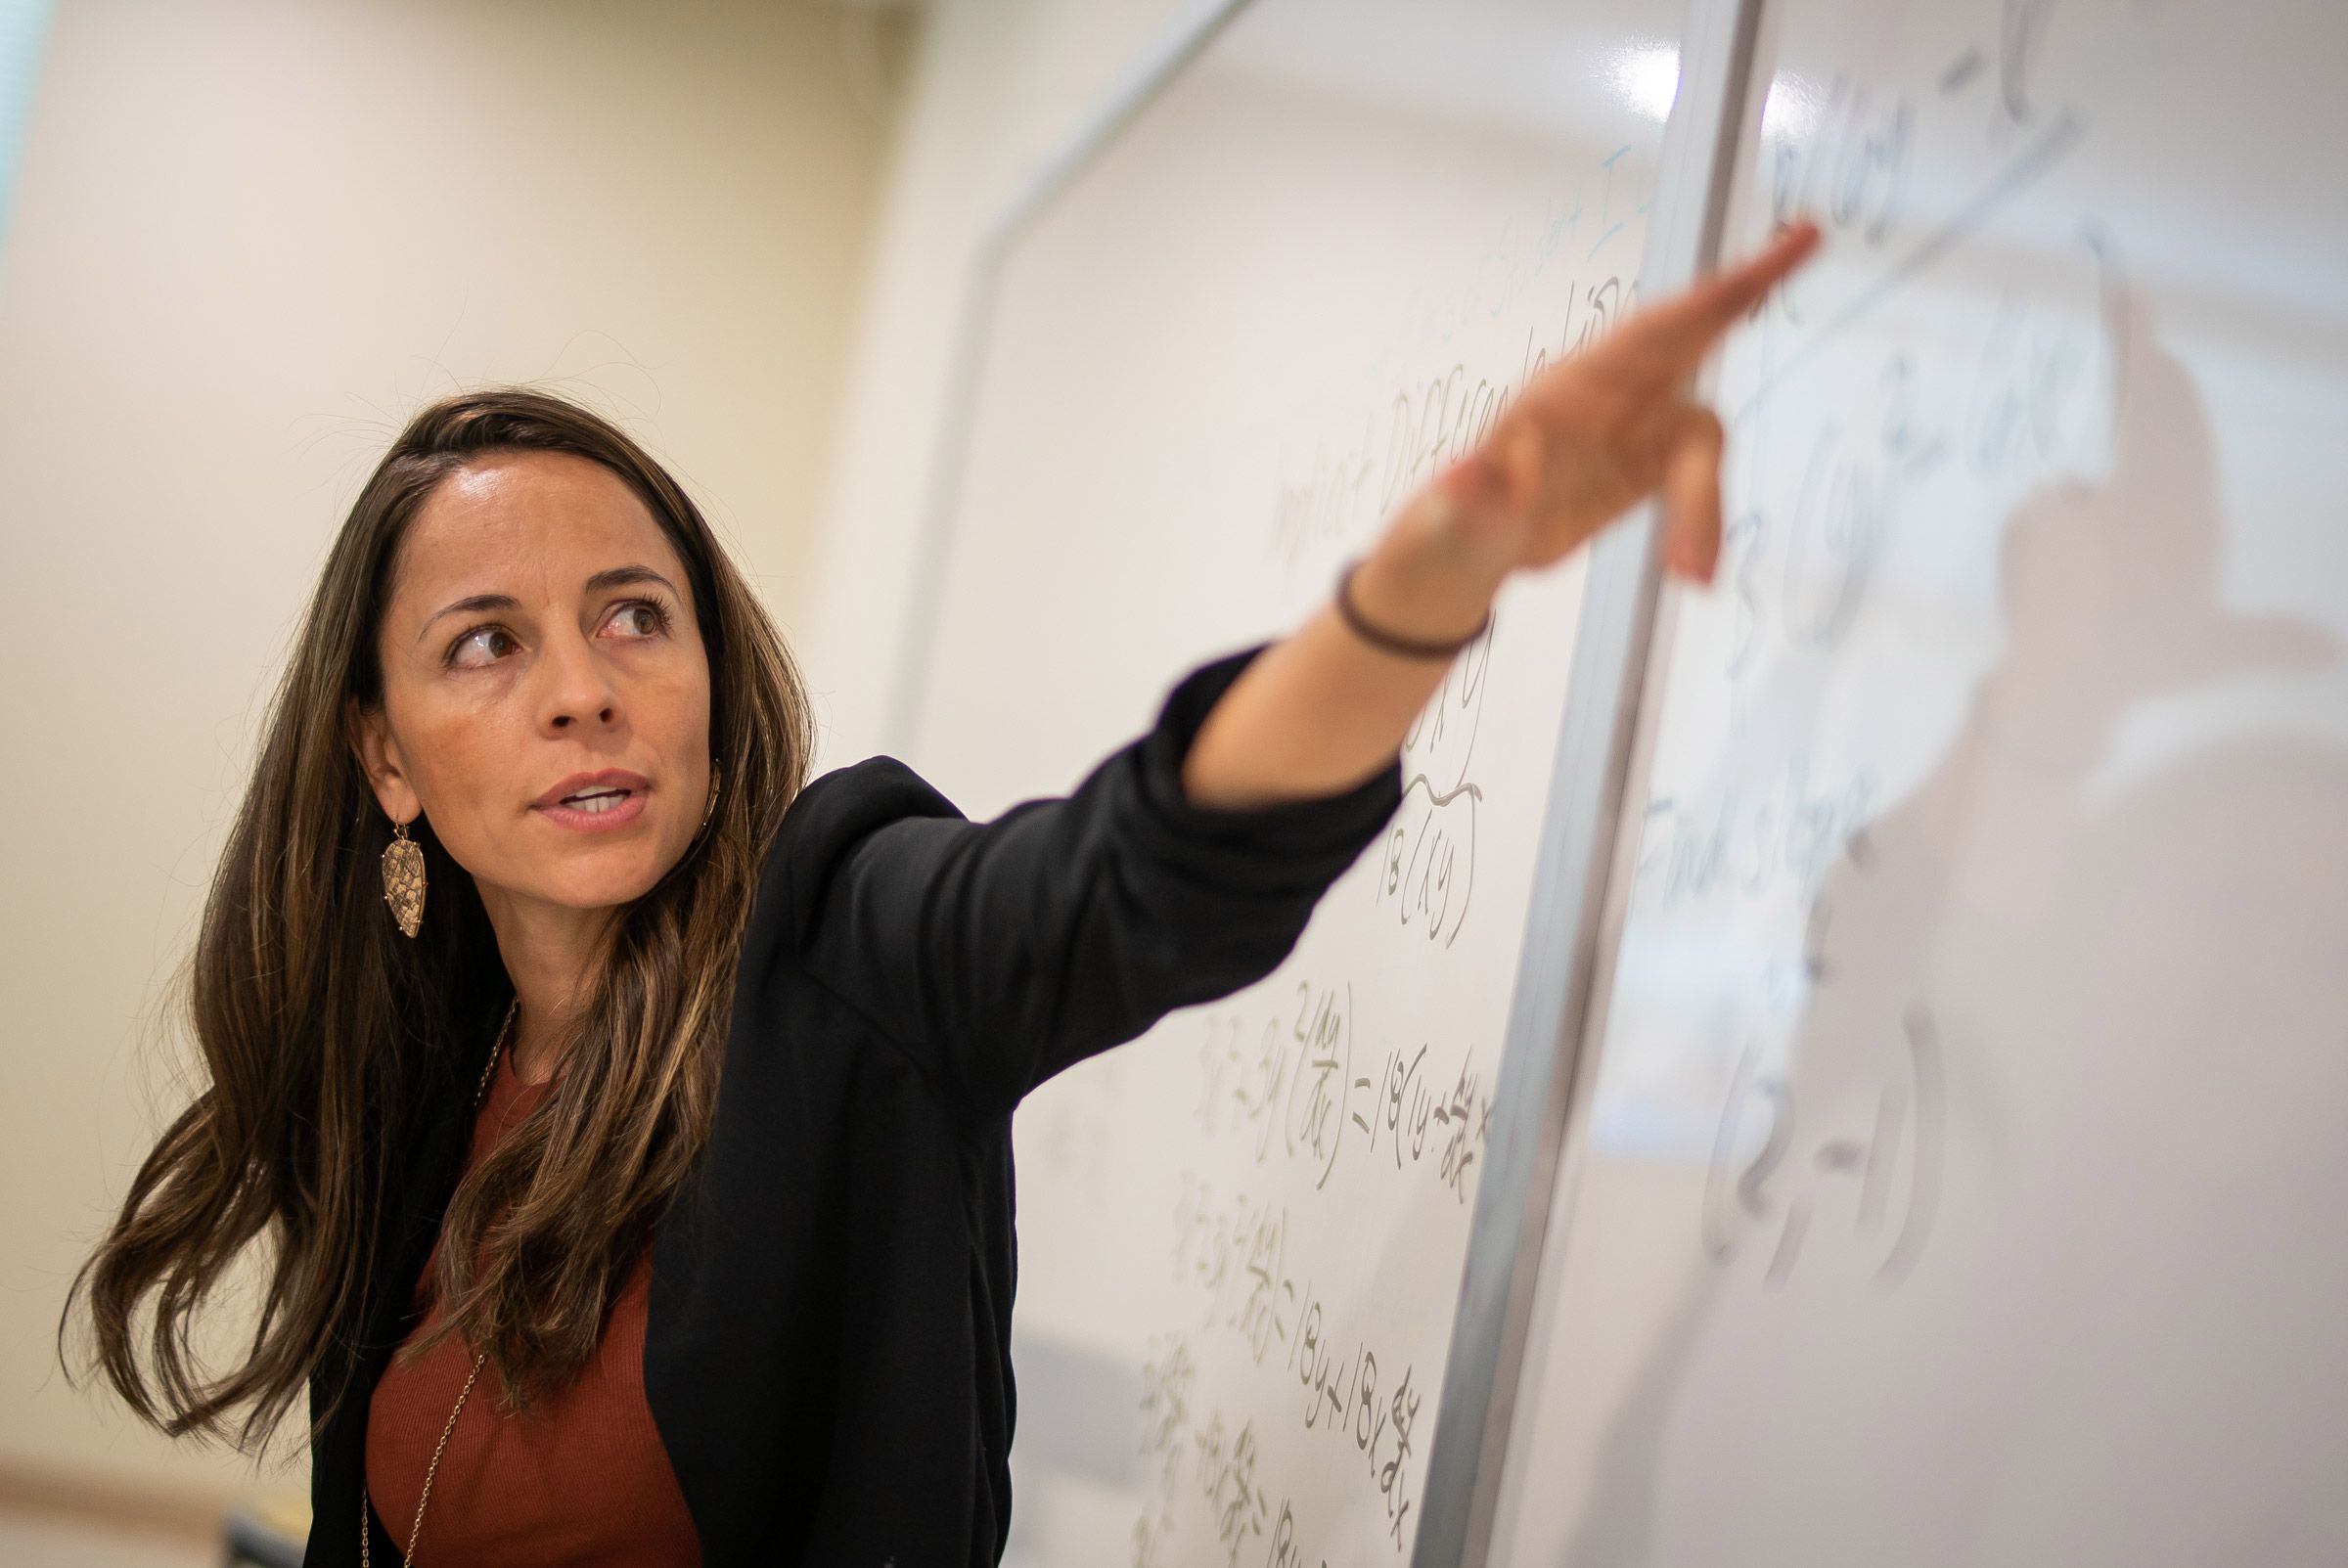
(1409, 647)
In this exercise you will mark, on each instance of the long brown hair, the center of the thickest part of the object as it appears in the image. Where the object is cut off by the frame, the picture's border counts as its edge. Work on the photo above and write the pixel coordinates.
(325, 1032)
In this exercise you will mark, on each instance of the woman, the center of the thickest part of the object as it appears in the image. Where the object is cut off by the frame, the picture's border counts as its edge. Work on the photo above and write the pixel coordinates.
(630, 1126)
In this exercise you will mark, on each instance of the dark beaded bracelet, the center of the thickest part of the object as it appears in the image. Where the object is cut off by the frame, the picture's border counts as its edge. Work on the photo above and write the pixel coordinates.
(1410, 647)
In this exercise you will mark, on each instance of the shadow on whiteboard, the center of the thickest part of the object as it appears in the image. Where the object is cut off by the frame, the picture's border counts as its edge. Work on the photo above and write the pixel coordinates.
(2029, 1252)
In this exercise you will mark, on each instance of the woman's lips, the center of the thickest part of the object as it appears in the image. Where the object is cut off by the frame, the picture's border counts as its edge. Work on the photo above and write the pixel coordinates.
(608, 820)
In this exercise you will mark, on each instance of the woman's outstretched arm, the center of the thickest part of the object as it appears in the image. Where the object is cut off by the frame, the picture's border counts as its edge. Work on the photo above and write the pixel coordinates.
(1187, 864)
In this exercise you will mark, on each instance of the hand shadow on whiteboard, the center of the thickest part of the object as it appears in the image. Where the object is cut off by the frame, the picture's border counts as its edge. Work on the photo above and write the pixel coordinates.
(2042, 1228)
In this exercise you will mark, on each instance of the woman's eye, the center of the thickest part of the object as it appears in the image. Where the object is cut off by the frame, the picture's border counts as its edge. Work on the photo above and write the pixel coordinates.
(656, 619)
(480, 635)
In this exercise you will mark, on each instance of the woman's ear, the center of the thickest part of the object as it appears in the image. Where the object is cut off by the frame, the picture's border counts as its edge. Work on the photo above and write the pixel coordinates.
(371, 741)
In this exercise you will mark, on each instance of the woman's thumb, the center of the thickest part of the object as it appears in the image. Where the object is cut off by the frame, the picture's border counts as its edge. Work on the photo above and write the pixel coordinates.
(1692, 494)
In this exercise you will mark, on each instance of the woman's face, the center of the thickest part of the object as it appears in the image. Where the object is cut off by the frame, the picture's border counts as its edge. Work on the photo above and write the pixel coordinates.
(539, 629)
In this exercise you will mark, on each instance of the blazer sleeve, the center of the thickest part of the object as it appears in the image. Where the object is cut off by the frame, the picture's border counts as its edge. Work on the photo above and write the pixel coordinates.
(998, 953)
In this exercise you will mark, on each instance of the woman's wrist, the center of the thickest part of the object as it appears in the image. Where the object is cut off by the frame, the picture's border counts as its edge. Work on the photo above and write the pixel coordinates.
(1415, 582)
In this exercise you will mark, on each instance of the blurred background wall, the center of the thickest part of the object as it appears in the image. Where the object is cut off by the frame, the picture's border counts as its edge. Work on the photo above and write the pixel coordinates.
(247, 239)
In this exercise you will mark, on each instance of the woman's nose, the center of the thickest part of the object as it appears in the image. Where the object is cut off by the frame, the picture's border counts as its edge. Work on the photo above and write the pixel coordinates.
(575, 684)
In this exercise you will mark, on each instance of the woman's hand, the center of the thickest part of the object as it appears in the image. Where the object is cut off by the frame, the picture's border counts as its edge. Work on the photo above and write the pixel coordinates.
(1321, 710)
(1596, 433)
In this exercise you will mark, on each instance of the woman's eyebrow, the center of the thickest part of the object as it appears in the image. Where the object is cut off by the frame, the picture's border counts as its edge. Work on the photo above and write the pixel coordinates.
(610, 577)
(625, 577)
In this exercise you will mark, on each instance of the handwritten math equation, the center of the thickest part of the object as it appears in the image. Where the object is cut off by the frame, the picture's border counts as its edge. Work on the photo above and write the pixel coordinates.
(1237, 1253)
(1426, 865)
(1200, 1460)
(1291, 1081)
(1206, 1464)
(1877, 1171)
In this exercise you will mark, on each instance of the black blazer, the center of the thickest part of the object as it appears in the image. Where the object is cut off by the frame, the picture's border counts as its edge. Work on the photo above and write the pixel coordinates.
(827, 1350)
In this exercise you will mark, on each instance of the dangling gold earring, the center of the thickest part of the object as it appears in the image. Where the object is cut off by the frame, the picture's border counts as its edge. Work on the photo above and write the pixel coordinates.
(403, 879)
(714, 781)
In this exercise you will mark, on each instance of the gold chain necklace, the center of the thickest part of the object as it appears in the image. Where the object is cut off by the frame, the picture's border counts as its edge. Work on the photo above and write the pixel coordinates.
(480, 1092)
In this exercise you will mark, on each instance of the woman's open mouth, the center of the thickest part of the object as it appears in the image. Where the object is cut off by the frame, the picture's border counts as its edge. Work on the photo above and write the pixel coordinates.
(595, 804)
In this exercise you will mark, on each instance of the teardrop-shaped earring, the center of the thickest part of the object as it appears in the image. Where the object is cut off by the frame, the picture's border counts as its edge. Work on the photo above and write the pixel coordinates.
(403, 879)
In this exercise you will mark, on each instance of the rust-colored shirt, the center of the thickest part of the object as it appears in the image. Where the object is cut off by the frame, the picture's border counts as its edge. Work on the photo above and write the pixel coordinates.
(580, 1477)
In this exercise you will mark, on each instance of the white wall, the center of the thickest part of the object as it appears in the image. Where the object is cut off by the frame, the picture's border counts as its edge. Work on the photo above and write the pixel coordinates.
(249, 237)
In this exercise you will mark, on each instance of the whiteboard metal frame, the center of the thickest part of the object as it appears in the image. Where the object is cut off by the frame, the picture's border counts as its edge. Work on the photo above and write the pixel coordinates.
(1566, 950)
(1566, 945)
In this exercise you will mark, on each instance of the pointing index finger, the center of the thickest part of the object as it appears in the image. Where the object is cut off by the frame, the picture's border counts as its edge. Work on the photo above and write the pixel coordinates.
(1669, 337)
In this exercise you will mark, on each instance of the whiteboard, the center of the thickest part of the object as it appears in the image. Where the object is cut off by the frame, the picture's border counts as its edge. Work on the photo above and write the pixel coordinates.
(1300, 265)
(1958, 1174)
